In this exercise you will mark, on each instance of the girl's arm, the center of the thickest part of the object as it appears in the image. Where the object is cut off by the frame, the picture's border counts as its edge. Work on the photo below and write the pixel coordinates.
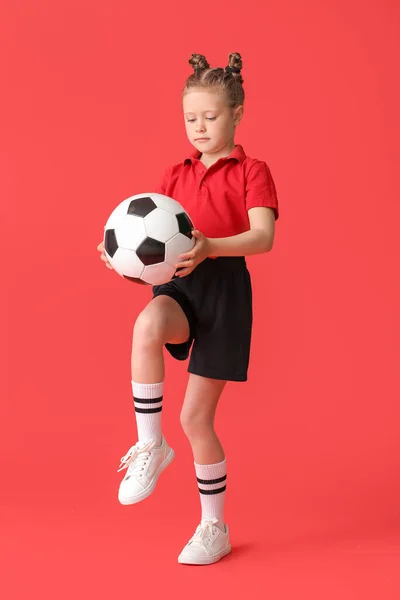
(258, 239)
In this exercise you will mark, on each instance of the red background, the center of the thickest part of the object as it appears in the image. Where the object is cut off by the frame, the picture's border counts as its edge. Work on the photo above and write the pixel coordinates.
(90, 114)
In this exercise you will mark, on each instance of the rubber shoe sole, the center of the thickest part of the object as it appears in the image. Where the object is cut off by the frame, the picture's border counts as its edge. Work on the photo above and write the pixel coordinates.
(206, 560)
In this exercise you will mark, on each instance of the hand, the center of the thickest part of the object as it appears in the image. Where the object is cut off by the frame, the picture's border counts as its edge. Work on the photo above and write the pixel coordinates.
(200, 251)
(103, 256)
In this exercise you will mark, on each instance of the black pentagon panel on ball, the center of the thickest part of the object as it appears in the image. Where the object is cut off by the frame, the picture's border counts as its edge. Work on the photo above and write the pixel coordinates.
(135, 280)
(110, 242)
(151, 251)
(185, 225)
(141, 207)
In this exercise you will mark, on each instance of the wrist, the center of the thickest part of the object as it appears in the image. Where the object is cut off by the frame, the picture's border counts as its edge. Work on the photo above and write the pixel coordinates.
(211, 248)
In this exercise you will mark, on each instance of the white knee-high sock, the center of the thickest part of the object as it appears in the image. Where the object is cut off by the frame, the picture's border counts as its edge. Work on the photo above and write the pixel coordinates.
(147, 399)
(211, 480)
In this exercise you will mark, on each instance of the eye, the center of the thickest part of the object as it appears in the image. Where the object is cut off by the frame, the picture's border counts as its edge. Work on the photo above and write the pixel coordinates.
(208, 119)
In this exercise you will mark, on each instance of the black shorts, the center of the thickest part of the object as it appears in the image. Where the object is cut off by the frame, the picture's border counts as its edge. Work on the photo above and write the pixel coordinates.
(217, 301)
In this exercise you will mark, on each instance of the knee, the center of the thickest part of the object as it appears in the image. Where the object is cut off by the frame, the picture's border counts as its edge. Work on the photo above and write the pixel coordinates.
(149, 329)
(196, 423)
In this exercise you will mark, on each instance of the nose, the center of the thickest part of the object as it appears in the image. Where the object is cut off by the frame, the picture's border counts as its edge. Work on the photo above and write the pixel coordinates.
(200, 127)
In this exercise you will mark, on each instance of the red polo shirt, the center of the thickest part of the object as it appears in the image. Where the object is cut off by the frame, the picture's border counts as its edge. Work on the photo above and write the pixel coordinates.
(217, 199)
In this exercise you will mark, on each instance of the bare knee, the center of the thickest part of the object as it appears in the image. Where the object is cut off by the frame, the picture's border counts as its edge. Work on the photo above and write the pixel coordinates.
(150, 329)
(196, 423)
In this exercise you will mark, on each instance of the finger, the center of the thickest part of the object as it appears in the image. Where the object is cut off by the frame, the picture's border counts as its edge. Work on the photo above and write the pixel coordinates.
(187, 255)
(185, 264)
(191, 252)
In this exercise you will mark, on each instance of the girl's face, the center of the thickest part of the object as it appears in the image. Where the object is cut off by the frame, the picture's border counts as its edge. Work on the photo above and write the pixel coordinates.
(210, 123)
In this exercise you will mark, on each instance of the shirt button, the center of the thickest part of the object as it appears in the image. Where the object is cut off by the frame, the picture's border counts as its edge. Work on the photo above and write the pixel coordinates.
(203, 183)
(201, 172)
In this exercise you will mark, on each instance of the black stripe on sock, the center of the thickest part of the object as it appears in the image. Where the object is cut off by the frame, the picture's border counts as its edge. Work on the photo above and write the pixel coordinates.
(209, 492)
(148, 410)
(147, 400)
(210, 481)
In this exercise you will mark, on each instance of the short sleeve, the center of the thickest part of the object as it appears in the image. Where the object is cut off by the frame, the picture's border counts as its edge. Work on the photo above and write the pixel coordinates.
(161, 187)
(260, 188)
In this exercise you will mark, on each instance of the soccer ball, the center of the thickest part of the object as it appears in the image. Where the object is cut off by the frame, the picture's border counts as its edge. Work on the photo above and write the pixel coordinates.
(144, 237)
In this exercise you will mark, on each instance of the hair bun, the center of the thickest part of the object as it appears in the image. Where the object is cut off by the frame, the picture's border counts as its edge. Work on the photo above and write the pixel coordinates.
(235, 63)
(198, 61)
(232, 70)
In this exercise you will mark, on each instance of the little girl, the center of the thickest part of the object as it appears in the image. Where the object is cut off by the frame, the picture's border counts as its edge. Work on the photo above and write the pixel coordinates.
(206, 310)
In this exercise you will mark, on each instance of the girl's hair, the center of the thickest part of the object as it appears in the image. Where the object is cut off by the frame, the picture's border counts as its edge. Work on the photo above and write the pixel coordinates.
(231, 83)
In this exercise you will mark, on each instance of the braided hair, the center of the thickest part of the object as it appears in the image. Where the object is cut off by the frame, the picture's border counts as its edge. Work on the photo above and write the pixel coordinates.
(228, 79)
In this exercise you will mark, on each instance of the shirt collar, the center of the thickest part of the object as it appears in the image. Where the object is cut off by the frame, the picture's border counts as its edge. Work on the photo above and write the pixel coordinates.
(237, 153)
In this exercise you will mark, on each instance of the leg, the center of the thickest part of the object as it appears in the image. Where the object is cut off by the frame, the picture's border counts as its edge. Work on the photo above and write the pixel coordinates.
(197, 418)
(211, 539)
(160, 322)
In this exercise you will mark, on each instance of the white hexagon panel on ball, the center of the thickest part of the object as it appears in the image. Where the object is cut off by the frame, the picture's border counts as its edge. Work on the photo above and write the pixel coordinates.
(130, 232)
(126, 263)
(161, 225)
(167, 203)
(179, 244)
(158, 273)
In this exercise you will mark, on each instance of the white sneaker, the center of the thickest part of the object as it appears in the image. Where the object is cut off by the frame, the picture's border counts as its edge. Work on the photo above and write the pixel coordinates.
(208, 545)
(144, 462)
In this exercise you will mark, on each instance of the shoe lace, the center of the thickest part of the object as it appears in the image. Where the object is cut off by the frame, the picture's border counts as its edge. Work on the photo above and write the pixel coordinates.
(136, 457)
(204, 530)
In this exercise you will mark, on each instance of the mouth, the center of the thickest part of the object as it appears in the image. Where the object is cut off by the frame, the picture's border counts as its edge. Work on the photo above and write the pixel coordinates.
(202, 139)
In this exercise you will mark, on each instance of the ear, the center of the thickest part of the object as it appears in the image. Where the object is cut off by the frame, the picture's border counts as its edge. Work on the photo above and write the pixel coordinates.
(238, 114)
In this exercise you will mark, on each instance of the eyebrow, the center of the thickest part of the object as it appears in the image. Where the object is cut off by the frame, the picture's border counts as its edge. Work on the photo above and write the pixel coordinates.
(204, 111)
